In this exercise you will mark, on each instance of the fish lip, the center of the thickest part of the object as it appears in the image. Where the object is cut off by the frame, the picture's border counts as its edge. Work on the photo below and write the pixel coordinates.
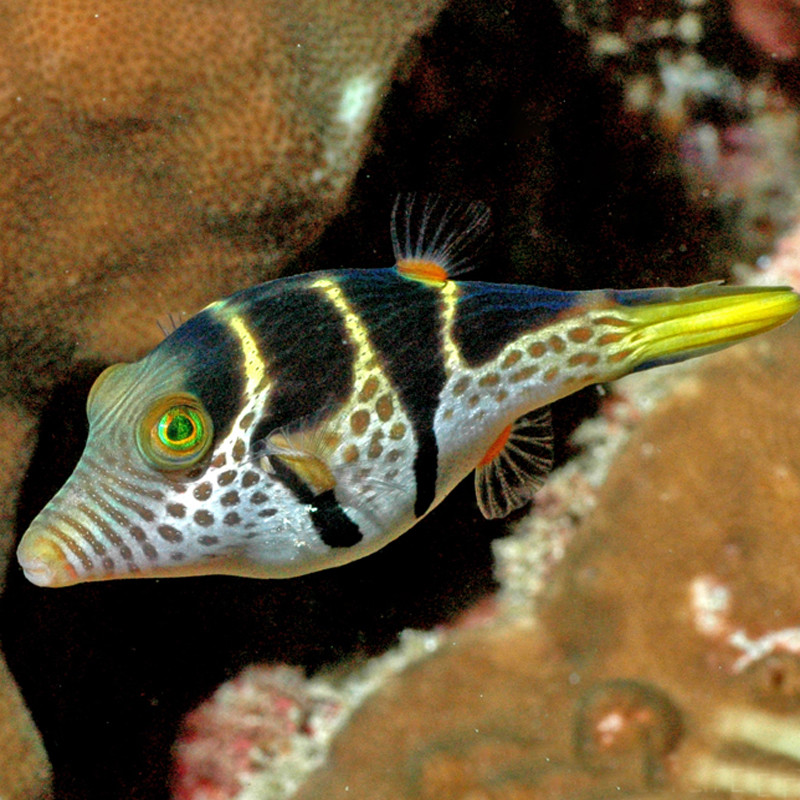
(43, 561)
(36, 571)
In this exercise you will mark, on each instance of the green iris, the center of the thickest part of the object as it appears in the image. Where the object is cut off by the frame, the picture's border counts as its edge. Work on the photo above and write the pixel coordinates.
(181, 428)
(175, 432)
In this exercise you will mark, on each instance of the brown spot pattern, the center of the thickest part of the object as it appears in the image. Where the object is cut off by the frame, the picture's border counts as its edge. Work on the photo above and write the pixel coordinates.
(461, 386)
(580, 335)
(227, 477)
(557, 344)
(583, 359)
(359, 422)
(203, 491)
(204, 518)
(384, 408)
(247, 420)
(537, 349)
(239, 450)
(368, 389)
(523, 374)
(230, 498)
(250, 479)
(169, 534)
(615, 358)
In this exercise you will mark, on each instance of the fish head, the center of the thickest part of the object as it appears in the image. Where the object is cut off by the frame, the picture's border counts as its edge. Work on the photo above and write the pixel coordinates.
(147, 490)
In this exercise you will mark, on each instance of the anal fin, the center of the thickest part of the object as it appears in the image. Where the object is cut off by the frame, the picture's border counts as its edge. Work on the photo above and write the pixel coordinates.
(515, 465)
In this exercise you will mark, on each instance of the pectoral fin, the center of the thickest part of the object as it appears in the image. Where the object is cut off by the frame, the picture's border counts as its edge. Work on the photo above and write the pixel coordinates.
(306, 454)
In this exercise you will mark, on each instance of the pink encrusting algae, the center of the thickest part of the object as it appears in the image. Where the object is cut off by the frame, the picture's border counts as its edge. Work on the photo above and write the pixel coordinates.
(249, 722)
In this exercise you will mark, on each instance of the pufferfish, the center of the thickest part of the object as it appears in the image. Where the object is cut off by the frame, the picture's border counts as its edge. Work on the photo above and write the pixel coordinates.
(308, 421)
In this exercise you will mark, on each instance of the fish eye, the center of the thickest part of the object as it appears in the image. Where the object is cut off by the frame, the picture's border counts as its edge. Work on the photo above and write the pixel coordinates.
(175, 433)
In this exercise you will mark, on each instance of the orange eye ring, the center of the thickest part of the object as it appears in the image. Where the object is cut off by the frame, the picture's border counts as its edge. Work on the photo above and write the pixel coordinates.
(175, 433)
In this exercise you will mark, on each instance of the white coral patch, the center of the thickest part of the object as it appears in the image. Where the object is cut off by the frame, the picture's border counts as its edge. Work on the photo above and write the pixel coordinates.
(710, 602)
(357, 101)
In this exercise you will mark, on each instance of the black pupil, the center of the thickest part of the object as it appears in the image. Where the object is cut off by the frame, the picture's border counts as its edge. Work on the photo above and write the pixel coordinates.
(180, 428)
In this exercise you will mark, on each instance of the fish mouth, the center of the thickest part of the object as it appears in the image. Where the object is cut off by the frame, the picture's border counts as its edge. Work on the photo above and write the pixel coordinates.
(764, 758)
(43, 560)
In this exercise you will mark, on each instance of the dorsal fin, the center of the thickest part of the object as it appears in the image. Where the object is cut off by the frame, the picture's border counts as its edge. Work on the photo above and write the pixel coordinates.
(515, 466)
(434, 239)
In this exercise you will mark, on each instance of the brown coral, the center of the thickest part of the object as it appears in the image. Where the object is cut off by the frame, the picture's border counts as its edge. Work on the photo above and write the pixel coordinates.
(157, 156)
(771, 25)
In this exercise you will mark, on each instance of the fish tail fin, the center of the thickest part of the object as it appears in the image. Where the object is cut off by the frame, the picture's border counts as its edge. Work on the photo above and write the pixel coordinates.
(650, 327)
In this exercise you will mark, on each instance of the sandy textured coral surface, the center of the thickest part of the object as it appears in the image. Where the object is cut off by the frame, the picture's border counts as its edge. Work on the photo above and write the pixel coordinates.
(157, 156)
(668, 652)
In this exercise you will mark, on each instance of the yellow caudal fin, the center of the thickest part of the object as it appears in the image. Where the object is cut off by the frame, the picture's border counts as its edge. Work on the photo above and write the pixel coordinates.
(651, 327)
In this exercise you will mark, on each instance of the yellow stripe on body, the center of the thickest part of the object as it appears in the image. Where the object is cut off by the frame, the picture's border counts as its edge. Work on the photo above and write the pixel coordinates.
(255, 368)
(449, 294)
(366, 361)
(257, 384)
(374, 417)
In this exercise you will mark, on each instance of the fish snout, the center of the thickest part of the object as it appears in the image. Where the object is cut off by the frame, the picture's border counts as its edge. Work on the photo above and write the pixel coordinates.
(43, 560)
(76, 537)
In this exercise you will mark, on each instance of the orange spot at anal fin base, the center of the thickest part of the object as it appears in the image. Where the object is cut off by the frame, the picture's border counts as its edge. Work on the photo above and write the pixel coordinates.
(496, 448)
(422, 269)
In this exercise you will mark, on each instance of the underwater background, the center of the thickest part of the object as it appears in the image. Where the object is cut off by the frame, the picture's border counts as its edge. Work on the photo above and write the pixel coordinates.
(639, 631)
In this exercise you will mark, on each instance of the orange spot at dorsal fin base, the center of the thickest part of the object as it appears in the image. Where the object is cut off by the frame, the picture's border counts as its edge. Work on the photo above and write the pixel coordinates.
(422, 269)
(496, 447)
(435, 239)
